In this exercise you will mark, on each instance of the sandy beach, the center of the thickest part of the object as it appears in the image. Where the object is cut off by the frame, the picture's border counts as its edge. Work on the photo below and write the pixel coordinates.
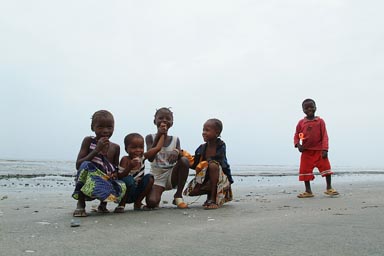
(262, 220)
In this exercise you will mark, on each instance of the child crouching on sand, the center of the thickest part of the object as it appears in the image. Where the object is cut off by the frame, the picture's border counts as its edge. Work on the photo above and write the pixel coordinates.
(311, 139)
(213, 173)
(97, 166)
(132, 172)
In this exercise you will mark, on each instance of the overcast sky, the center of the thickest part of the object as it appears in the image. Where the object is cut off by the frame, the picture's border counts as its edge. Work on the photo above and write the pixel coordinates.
(248, 63)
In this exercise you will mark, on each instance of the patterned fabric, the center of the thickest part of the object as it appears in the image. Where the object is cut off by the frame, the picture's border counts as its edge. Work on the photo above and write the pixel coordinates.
(138, 173)
(224, 191)
(220, 157)
(134, 177)
(95, 184)
(100, 160)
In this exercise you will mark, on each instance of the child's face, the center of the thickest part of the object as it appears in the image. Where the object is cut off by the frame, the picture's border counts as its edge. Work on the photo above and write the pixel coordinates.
(309, 108)
(103, 127)
(210, 132)
(163, 117)
(135, 148)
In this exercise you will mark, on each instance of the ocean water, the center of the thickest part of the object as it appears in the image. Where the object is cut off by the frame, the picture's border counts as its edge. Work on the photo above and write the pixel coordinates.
(22, 168)
(21, 175)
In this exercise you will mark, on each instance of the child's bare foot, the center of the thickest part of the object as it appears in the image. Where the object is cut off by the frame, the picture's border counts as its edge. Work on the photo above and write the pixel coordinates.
(211, 205)
(79, 212)
(305, 195)
(102, 208)
(119, 209)
(331, 192)
(179, 202)
(206, 201)
(141, 207)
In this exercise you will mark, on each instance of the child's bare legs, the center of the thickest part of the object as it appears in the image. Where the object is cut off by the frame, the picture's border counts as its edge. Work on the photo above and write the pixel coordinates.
(308, 190)
(179, 176)
(121, 206)
(328, 180)
(124, 199)
(308, 187)
(143, 194)
(154, 197)
(308, 184)
(80, 208)
(102, 208)
(330, 190)
(213, 174)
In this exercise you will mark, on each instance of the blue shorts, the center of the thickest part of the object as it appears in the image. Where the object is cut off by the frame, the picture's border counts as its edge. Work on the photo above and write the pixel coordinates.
(133, 189)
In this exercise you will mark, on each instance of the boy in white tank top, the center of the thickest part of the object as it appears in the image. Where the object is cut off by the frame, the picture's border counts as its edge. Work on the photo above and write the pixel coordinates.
(169, 168)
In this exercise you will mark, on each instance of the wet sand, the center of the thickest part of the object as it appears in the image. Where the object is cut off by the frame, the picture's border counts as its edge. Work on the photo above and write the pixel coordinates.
(262, 220)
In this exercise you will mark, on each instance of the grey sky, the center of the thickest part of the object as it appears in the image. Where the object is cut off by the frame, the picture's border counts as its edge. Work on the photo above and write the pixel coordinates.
(248, 63)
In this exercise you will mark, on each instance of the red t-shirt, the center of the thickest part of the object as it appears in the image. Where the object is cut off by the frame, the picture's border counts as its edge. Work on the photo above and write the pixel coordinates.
(315, 134)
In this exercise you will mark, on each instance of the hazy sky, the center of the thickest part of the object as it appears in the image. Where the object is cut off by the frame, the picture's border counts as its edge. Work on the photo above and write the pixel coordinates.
(248, 63)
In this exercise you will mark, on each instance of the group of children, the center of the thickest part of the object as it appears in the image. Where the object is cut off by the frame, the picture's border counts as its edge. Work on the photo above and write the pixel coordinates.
(102, 175)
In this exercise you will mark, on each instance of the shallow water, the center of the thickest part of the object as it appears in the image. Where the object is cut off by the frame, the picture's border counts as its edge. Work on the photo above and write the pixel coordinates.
(30, 169)
(59, 175)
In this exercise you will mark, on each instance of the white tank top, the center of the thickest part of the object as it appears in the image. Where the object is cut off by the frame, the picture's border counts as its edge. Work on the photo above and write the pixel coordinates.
(162, 157)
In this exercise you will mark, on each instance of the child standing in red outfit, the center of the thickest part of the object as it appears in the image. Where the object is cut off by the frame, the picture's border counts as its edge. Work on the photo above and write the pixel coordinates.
(311, 139)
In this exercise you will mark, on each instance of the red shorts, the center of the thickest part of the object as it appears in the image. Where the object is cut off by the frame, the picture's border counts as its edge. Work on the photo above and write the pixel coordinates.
(311, 159)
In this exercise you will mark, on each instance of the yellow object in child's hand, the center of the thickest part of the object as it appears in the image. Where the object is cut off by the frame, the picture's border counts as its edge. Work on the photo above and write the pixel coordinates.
(301, 136)
(201, 166)
(110, 198)
(186, 154)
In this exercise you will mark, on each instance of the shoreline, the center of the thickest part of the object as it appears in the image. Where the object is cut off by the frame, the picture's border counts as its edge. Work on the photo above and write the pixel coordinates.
(191, 174)
(46, 181)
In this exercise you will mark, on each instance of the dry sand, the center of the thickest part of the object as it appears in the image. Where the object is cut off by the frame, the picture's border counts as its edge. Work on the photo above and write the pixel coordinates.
(260, 221)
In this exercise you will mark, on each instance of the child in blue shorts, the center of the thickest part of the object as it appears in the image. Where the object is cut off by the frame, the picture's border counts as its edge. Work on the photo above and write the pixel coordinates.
(131, 171)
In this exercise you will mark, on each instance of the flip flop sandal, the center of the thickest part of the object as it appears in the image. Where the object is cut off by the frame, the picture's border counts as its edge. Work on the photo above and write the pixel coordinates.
(80, 212)
(305, 195)
(178, 201)
(211, 205)
(119, 209)
(331, 192)
(143, 207)
(102, 209)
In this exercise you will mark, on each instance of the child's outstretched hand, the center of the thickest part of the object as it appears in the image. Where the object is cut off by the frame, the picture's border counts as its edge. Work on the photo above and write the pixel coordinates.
(324, 154)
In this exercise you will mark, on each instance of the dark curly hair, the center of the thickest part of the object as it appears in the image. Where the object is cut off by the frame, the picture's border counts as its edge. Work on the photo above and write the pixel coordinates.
(165, 110)
(128, 139)
(217, 123)
(100, 114)
(308, 100)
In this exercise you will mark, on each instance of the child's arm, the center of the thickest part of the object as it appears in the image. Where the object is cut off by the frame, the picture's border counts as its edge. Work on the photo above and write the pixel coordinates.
(153, 150)
(324, 139)
(128, 165)
(116, 154)
(296, 138)
(85, 155)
